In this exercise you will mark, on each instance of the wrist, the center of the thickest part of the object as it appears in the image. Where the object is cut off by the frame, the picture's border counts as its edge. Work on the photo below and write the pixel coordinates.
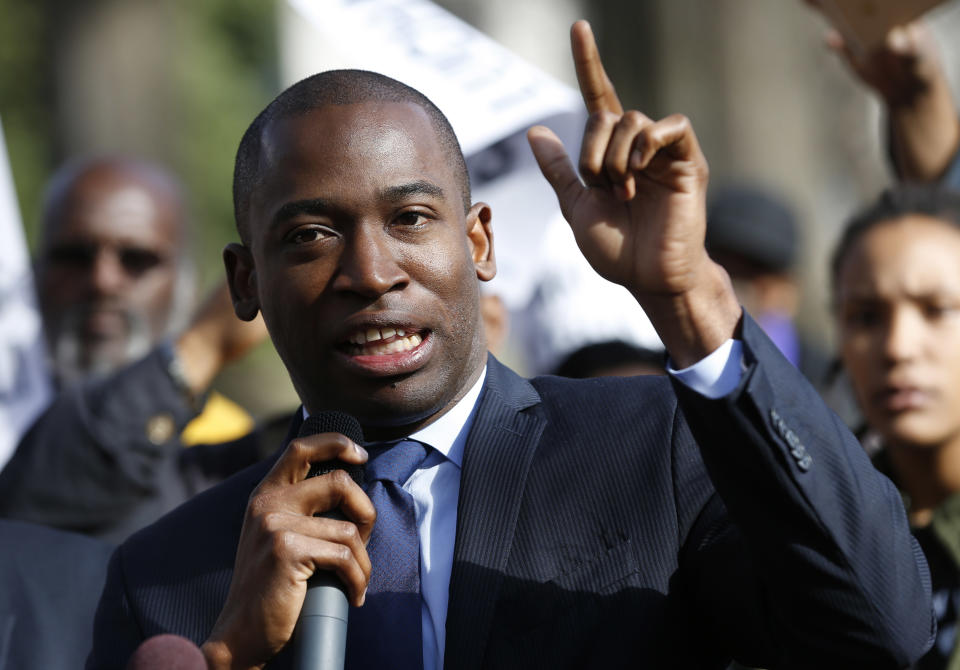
(199, 361)
(693, 323)
(219, 657)
(176, 371)
(924, 139)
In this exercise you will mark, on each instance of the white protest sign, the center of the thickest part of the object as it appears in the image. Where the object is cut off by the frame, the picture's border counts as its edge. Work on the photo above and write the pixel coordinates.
(24, 383)
(485, 90)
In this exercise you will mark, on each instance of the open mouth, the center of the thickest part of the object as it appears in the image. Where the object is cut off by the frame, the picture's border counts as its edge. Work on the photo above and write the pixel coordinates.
(383, 341)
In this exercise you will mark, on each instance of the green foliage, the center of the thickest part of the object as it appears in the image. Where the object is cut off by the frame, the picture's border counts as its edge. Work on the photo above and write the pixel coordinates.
(25, 92)
(224, 74)
(220, 70)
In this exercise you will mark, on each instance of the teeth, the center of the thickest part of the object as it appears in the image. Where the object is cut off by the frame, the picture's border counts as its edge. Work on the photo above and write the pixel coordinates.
(373, 335)
(401, 332)
(387, 332)
(378, 347)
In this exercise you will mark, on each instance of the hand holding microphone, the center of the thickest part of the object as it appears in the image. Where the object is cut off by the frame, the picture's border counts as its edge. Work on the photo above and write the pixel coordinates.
(282, 544)
(320, 638)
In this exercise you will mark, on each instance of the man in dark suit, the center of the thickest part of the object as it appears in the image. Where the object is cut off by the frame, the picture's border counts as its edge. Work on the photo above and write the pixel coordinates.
(114, 283)
(644, 522)
(49, 585)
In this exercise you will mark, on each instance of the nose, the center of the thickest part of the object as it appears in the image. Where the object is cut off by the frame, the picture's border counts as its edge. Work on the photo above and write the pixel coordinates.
(107, 274)
(903, 336)
(370, 264)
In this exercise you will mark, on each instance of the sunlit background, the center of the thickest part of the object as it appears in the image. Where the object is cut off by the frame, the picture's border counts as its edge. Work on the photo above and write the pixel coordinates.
(178, 81)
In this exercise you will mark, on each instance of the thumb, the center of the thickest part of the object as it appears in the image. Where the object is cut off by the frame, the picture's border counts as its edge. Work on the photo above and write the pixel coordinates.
(555, 165)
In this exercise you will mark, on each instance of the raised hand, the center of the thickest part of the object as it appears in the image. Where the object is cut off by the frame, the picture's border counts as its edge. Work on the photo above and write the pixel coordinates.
(282, 544)
(216, 337)
(639, 215)
(898, 70)
(907, 72)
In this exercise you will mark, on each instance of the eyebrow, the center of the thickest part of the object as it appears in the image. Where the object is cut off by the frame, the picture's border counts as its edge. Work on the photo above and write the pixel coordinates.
(419, 187)
(289, 210)
(320, 206)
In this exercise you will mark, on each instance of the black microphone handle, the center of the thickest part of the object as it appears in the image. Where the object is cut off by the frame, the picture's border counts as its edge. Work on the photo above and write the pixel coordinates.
(320, 637)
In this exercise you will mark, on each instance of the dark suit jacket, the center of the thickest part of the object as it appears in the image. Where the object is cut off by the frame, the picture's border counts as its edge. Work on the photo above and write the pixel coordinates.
(49, 585)
(590, 534)
(105, 459)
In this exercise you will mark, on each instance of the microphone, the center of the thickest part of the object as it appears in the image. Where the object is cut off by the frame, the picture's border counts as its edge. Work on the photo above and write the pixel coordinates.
(167, 652)
(320, 637)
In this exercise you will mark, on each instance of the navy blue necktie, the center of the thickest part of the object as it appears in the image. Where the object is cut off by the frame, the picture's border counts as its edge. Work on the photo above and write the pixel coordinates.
(385, 632)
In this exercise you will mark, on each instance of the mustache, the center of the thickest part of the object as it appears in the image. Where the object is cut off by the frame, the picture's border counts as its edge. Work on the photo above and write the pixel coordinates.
(74, 356)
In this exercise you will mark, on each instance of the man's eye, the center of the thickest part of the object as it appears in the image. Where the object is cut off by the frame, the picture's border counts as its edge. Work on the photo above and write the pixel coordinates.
(411, 218)
(940, 310)
(138, 261)
(72, 255)
(862, 317)
(306, 235)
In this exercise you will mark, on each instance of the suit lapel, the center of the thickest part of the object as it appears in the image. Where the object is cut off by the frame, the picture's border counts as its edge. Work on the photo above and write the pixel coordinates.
(496, 461)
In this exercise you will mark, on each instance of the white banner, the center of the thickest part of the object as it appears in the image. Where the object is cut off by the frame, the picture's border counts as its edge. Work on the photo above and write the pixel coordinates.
(485, 90)
(24, 382)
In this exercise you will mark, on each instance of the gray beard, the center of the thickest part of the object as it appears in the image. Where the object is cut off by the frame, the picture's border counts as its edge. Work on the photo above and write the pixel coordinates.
(74, 361)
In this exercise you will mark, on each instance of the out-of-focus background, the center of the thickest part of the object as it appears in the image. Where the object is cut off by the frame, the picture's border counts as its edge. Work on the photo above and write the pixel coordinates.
(178, 82)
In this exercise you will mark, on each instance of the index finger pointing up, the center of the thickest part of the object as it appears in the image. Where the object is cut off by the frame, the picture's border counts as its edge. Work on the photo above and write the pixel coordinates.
(595, 86)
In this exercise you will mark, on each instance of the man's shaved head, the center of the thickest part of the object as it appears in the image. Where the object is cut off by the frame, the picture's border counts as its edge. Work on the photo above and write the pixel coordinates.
(334, 87)
(72, 177)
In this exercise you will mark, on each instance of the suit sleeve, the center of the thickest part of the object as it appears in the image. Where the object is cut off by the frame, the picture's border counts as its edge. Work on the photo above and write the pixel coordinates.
(100, 450)
(807, 547)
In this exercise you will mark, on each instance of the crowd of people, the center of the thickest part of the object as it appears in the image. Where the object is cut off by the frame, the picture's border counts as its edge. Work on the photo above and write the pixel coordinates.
(601, 516)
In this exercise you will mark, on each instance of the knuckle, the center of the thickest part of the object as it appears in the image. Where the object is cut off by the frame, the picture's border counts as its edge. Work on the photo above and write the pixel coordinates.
(298, 450)
(601, 118)
(633, 118)
(608, 117)
(338, 439)
(272, 522)
(350, 533)
(342, 554)
(260, 504)
(284, 542)
(339, 478)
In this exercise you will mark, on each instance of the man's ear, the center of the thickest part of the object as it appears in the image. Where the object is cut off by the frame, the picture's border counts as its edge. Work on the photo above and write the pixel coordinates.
(480, 239)
(242, 280)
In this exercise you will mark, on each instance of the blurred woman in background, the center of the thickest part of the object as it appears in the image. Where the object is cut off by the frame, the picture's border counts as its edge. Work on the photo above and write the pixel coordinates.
(896, 281)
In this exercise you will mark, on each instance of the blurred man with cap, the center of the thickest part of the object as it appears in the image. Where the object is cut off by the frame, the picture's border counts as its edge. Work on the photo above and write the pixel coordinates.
(754, 236)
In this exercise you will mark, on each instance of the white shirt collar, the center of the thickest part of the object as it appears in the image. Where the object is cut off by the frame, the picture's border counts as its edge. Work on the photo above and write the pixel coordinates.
(448, 434)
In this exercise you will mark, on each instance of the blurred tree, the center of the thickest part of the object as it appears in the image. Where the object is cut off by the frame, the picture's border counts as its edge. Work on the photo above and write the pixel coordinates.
(170, 80)
(26, 94)
(174, 81)
(225, 72)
